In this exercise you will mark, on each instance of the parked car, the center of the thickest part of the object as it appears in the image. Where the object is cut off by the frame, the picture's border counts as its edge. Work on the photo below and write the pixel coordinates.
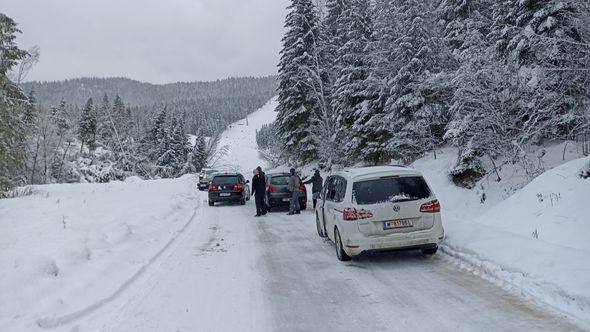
(205, 178)
(374, 209)
(229, 187)
(277, 194)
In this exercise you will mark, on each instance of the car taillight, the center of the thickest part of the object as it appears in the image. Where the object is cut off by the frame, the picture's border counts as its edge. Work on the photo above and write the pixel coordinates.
(271, 188)
(239, 187)
(212, 187)
(302, 187)
(354, 214)
(430, 207)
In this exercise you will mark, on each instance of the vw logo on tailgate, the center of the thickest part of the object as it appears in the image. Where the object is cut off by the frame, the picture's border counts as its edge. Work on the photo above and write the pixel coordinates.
(396, 208)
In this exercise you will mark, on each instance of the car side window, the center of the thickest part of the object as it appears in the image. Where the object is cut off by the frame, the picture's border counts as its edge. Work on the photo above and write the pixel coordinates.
(328, 192)
(339, 189)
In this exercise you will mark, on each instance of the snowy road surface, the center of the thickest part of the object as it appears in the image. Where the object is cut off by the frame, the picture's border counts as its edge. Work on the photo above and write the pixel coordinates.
(233, 272)
(225, 270)
(230, 271)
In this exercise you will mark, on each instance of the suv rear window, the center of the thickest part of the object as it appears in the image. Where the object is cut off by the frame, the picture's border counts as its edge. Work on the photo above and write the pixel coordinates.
(394, 189)
(280, 180)
(230, 179)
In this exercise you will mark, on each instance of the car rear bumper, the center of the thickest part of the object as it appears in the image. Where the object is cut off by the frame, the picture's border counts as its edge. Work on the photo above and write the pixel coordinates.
(234, 197)
(357, 244)
(284, 200)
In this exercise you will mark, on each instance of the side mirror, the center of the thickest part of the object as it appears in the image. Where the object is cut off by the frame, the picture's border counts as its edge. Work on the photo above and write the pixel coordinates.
(247, 181)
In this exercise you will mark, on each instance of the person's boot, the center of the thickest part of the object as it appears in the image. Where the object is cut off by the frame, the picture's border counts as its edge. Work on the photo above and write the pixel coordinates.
(290, 213)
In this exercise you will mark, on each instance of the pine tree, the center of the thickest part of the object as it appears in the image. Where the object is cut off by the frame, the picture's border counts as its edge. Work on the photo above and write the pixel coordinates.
(354, 32)
(87, 127)
(12, 104)
(544, 41)
(299, 80)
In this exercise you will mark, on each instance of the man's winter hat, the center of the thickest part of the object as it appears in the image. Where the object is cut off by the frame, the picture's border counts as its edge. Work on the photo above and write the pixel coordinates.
(292, 171)
(259, 168)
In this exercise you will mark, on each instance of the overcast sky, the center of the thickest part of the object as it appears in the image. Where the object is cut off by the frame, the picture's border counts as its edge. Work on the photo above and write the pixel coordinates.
(157, 41)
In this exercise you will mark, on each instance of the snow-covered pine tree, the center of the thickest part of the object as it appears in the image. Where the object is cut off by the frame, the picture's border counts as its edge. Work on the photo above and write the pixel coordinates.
(299, 81)
(12, 103)
(354, 33)
(413, 99)
(547, 41)
(199, 153)
(179, 148)
(370, 136)
(87, 127)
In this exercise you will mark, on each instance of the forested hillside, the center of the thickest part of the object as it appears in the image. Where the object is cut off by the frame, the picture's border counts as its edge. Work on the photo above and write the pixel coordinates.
(77, 91)
(98, 130)
(371, 81)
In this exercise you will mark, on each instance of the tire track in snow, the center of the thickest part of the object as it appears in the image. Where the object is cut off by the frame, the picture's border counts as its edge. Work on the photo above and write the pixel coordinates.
(49, 323)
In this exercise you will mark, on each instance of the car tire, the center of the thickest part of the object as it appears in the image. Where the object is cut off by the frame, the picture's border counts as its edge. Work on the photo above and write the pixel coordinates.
(211, 203)
(342, 256)
(243, 201)
(430, 251)
(317, 223)
(303, 207)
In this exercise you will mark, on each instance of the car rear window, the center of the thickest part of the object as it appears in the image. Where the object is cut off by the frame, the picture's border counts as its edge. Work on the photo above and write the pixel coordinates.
(394, 189)
(279, 180)
(231, 179)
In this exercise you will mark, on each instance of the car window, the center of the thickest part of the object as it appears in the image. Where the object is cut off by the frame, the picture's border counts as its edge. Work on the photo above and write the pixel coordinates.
(339, 189)
(280, 180)
(331, 190)
(229, 179)
(394, 189)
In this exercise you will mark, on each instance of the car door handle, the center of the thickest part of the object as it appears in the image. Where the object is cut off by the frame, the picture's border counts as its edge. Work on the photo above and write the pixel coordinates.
(338, 210)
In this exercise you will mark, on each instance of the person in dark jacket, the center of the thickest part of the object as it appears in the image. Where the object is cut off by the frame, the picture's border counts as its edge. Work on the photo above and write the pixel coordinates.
(293, 187)
(317, 185)
(259, 191)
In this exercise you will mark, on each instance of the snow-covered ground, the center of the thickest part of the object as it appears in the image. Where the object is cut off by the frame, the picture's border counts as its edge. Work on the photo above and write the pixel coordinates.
(151, 256)
(67, 249)
(533, 240)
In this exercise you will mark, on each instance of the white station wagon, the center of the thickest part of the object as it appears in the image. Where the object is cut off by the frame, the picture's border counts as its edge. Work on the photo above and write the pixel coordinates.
(373, 209)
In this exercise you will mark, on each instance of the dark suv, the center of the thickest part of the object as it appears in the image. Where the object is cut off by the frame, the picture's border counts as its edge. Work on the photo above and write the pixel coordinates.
(228, 187)
(277, 194)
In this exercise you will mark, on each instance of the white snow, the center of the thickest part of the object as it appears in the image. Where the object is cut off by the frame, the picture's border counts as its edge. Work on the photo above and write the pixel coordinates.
(69, 248)
(533, 240)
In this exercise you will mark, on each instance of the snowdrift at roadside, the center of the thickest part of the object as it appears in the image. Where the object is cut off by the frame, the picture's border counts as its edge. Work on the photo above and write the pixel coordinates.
(70, 247)
(535, 242)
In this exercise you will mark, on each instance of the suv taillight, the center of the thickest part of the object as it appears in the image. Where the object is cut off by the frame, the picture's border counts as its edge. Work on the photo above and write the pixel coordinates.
(239, 187)
(271, 188)
(212, 187)
(430, 207)
(302, 187)
(354, 214)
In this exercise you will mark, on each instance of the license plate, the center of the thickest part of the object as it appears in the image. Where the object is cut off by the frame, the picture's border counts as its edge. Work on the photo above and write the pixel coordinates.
(286, 199)
(400, 223)
(224, 194)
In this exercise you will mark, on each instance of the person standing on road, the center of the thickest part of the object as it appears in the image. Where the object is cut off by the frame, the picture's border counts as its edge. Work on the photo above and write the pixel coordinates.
(259, 190)
(317, 185)
(293, 187)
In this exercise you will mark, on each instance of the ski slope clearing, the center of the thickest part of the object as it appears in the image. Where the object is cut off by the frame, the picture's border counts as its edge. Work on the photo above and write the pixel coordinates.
(533, 240)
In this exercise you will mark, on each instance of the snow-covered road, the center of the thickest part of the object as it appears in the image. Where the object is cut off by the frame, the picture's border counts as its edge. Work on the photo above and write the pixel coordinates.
(232, 272)
(228, 271)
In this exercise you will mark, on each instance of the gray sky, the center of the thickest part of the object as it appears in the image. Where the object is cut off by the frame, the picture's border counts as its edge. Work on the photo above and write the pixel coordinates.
(157, 41)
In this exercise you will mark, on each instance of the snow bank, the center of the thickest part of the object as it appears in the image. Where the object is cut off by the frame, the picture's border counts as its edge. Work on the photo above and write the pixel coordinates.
(532, 240)
(66, 249)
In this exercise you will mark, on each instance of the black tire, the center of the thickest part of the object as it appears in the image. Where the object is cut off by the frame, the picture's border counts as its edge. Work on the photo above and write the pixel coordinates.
(317, 223)
(430, 251)
(243, 201)
(342, 256)
(303, 207)
(211, 203)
